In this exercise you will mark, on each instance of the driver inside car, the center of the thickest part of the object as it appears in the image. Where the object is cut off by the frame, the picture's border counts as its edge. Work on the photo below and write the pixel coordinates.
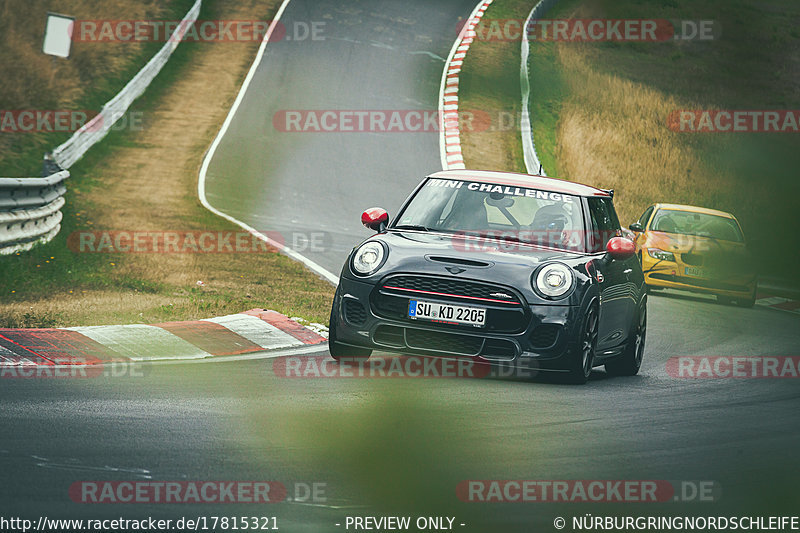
(469, 213)
(549, 224)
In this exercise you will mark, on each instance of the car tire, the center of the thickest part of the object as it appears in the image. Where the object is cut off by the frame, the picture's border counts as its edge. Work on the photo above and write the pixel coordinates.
(629, 363)
(582, 359)
(747, 302)
(339, 351)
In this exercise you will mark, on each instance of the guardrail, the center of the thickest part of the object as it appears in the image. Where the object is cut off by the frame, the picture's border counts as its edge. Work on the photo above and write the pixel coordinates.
(30, 208)
(532, 163)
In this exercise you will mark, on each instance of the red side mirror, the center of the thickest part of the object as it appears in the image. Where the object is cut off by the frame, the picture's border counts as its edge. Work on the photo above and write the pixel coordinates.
(620, 248)
(375, 218)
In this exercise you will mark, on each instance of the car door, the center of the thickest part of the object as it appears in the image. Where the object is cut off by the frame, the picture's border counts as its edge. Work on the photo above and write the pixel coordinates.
(618, 292)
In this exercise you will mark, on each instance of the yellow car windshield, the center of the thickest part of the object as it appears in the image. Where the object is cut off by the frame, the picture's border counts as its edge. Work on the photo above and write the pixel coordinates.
(699, 224)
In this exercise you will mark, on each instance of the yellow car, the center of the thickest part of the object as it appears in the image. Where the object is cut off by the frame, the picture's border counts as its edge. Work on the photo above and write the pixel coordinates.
(696, 249)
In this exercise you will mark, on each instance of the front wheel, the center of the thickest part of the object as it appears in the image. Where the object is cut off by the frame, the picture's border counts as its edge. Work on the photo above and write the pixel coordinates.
(339, 351)
(629, 363)
(582, 362)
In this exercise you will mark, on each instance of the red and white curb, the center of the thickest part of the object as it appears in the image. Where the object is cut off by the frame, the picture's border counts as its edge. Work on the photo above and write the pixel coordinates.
(450, 139)
(778, 302)
(256, 330)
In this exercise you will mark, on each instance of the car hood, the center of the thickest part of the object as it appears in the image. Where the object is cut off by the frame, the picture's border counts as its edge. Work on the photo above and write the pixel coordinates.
(469, 248)
(721, 259)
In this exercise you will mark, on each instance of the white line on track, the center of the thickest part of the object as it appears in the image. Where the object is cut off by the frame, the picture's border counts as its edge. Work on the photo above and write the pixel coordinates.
(201, 182)
(532, 163)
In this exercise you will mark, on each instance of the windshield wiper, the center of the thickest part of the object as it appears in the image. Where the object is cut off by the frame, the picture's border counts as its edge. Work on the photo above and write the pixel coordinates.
(416, 227)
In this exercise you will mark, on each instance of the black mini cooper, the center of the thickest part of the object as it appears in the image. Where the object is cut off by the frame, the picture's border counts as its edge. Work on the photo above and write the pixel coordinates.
(506, 268)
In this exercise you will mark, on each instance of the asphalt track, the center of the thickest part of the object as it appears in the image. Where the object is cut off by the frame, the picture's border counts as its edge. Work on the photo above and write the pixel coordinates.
(388, 446)
(397, 446)
(383, 56)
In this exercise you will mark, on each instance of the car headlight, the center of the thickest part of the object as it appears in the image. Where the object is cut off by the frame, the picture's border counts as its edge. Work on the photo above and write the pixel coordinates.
(369, 257)
(553, 280)
(661, 255)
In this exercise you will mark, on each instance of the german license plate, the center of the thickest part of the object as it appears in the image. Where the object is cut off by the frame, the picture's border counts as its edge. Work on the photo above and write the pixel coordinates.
(696, 272)
(450, 314)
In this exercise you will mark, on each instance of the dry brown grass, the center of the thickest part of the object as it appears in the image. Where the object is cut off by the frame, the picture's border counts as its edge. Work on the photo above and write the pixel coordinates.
(149, 183)
(613, 134)
(32, 80)
(31, 77)
(611, 130)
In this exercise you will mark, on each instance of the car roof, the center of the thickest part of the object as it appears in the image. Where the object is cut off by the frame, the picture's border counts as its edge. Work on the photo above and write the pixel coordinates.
(522, 180)
(695, 209)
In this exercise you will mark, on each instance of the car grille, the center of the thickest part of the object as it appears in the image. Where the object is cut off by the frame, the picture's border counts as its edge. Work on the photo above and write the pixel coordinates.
(692, 259)
(452, 287)
(391, 298)
(354, 312)
(440, 341)
(390, 336)
(443, 342)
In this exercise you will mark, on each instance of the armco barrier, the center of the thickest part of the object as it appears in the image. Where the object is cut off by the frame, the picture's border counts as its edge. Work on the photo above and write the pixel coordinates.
(30, 208)
(532, 163)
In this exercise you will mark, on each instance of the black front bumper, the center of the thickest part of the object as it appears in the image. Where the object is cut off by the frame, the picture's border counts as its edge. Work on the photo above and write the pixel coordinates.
(532, 336)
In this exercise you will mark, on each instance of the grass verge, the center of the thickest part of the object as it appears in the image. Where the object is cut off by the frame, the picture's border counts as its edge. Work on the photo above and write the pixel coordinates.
(94, 72)
(146, 181)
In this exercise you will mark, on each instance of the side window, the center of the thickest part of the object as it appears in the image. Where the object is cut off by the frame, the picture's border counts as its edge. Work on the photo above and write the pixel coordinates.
(612, 212)
(605, 223)
(645, 218)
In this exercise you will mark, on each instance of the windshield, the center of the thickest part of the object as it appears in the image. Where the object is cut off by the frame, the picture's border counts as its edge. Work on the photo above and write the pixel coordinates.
(489, 210)
(699, 224)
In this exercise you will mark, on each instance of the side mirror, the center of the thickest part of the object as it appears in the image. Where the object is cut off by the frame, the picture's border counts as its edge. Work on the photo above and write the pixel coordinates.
(375, 218)
(620, 248)
(637, 227)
